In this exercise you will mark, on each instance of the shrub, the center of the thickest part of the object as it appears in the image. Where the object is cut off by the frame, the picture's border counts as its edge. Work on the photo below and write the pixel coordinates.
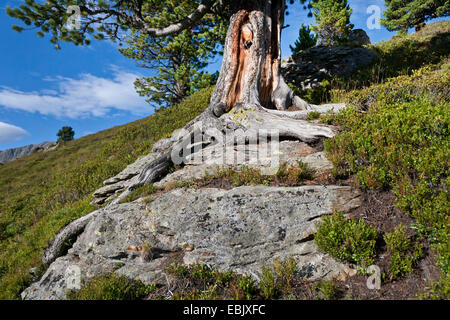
(111, 287)
(403, 252)
(277, 279)
(328, 289)
(347, 240)
(313, 115)
(199, 281)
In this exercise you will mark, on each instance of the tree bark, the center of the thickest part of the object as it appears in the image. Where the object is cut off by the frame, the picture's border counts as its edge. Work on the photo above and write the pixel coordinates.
(250, 72)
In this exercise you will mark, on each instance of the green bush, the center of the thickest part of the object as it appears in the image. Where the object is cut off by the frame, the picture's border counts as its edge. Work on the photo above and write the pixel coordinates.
(396, 136)
(404, 253)
(277, 278)
(328, 289)
(347, 240)
(111, 287)
(199, 282)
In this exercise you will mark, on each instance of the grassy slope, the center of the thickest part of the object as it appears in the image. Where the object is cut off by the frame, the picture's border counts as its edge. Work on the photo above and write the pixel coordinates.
(41, 193)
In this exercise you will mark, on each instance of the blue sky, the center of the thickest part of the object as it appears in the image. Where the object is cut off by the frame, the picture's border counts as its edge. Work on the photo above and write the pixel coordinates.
(90, 88)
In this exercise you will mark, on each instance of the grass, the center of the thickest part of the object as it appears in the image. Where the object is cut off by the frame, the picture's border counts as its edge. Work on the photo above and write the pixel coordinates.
(201, 282)
(43, 192)
(326, 289)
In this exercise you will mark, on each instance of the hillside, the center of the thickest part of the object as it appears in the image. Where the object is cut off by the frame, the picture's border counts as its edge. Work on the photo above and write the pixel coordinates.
(393, 141)
(41, 193)
(15, 153)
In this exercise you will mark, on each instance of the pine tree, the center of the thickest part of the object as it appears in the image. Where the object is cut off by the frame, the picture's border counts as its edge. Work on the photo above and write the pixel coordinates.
(65, 134)
(404, 14)
(333, 21)
(176, 60)
(305, 40)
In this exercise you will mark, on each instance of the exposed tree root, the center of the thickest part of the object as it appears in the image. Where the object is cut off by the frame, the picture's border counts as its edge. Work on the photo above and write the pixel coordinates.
(71, 231)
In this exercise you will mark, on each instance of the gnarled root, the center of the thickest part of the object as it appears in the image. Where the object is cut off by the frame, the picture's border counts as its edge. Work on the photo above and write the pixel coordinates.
(71, 231)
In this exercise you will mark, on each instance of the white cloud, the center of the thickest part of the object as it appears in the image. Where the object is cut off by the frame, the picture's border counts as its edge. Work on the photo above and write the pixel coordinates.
(86, 96)
(10, 133)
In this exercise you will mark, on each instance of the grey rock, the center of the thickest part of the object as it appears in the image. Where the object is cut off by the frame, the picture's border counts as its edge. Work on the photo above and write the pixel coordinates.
(16, 153)
(115, 185)
(289, 152)
(241, 229)
(358, 37)
(307, 69)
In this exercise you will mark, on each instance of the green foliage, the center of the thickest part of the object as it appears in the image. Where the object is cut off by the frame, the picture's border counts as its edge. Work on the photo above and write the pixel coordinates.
(404, 14)
(305, 40)
(65, 134)
(404, 253)
(276, 279)
(313, 115)
(43, 192)
(106, 19)
(176, 60)
(112, 287)
(328, 289)
(333, 21)
(401, 55)
(439, 291)
(396, 137)
(139, 192)
(347, 240)
(248, 286)
(207, 283)
(245, 176)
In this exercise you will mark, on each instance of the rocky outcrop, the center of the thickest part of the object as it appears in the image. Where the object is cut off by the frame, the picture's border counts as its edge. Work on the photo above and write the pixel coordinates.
(307, 69)
(16, 153)
(358, 37)
(240, 229)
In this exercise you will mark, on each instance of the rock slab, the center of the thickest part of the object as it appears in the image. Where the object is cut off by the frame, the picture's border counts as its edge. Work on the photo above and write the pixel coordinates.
(240, 229)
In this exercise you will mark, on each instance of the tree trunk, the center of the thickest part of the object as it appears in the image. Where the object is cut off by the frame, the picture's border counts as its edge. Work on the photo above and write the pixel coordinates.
(250, 72)
(249, 78)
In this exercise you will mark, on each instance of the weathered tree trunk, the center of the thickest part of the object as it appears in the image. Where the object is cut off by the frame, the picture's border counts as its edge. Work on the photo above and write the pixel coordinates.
(250, 72)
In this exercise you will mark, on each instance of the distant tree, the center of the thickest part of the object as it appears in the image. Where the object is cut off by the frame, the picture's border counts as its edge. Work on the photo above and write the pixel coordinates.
(65, 134)
(404, 14)
(305, 40)
(333, 21)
